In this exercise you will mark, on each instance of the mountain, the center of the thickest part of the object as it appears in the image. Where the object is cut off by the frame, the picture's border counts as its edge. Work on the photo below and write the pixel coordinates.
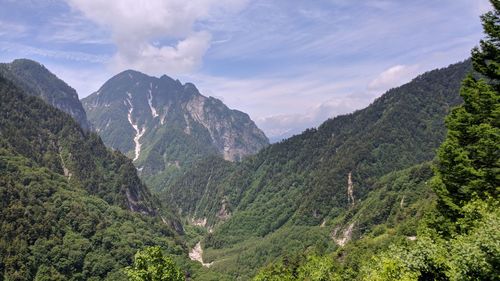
(304, 191)
(50, 138)
(36, 80)
(164, 125)
(71, 209)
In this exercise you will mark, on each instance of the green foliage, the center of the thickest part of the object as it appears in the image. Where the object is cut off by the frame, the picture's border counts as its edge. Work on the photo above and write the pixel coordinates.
(52, 139)
(486, 57)
(310, 268)
(54, 231)
(151, 265)
(473, 255)
(389, 214)
(469, 158)
(460, 241)
(34, 79)
(65, 199)
(285, 192)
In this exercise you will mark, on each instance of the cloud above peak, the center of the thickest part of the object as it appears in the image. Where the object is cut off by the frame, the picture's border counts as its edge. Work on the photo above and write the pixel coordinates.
(393, 77)
(135, 25)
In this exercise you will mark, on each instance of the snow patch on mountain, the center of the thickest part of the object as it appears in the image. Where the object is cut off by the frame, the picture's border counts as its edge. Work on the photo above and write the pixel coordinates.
(139, 132)
(154, 113)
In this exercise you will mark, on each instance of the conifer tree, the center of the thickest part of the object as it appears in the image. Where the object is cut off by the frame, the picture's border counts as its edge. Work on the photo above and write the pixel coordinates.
(469, 159)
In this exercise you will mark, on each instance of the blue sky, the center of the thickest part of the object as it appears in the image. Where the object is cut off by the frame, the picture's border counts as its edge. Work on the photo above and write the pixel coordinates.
(290, 64)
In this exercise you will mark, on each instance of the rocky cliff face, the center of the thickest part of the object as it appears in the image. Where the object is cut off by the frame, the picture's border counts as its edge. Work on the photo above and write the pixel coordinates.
(36, 80)
(164, 125)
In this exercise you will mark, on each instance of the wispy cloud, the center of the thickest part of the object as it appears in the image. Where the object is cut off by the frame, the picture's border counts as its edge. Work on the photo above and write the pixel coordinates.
(134, 25)
(12, 29)
(73, 28)
(27, 51)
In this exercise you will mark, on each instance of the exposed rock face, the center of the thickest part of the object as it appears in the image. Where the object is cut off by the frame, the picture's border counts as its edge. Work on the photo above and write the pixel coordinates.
(350, 189)
(344, 237)
(196, 254)
(36, 80)
(159, 121)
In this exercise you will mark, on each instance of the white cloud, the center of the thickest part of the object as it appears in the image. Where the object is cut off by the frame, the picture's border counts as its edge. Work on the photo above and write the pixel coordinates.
(282, 126)
(135, 25)
(393, 77)
(182, 58)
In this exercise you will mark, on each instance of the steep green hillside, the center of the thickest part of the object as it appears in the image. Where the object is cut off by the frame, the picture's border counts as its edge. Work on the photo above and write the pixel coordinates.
(459, 237)
(165, 126)
(54, 230)
(52, 139)
(34, 79)
(288, 190)
(389, 214)
(71, 209)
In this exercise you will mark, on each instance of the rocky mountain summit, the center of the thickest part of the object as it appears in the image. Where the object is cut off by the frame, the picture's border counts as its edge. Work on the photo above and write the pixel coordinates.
(164, 125)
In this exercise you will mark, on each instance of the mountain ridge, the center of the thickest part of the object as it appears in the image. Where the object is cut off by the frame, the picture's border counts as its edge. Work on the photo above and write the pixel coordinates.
(36, 80)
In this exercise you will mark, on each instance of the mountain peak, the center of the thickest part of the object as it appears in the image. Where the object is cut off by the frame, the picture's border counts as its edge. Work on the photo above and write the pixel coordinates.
(130, 74)
(36, 80)
(162, 123)
(26, 62)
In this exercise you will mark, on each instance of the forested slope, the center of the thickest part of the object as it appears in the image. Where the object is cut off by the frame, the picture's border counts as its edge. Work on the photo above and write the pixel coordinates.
(36, 80)
(71, 209)
(289, 190)
(52, 139)
(458, 239)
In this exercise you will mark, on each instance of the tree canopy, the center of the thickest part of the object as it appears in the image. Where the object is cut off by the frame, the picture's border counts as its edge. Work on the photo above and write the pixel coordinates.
(469, 159)
(151, 265)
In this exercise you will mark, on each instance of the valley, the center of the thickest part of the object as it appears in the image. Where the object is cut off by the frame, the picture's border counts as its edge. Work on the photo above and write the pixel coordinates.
(150, 178)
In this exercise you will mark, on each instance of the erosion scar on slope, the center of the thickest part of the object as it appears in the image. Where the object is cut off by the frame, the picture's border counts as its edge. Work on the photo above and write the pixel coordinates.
(350, 189)
(154, 113)
(196, 255)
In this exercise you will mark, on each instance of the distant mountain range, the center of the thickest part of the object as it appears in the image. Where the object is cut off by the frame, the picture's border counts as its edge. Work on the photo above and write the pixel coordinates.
(164, 125)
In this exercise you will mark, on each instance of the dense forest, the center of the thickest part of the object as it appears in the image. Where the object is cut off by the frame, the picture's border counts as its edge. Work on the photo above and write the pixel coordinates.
(295, 195)
(71, 208)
